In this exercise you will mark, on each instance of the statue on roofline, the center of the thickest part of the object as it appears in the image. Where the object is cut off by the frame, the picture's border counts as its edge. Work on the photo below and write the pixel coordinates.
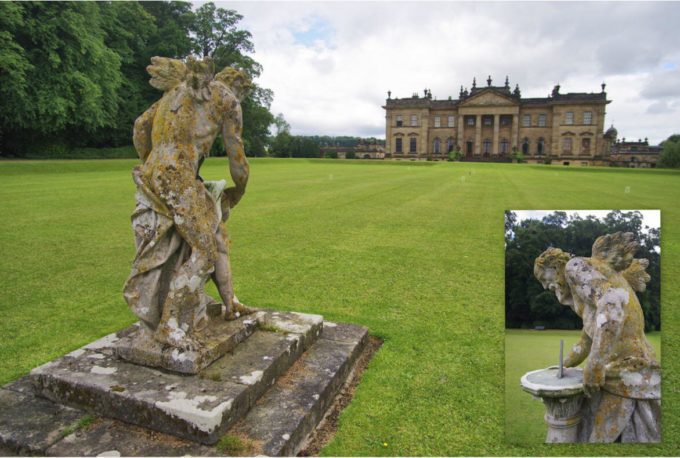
(179, 218)
(621, 377)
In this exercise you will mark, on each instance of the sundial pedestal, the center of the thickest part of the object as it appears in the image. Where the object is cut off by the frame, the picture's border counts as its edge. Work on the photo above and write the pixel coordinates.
(562, 398)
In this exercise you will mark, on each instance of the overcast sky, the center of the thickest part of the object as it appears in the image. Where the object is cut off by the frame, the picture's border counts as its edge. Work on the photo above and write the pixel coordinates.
(330, 64)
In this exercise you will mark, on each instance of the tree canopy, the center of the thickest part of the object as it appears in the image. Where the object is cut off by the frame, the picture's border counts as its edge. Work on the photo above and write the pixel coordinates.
(670, 152)
(528, 305)
(73, 73)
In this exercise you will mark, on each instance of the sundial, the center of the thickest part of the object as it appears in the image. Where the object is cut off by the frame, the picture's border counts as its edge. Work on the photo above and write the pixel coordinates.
(561, 389)
(555, 381)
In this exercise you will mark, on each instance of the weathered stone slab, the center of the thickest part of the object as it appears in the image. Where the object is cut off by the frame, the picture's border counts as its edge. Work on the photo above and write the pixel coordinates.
(113, 438)
(344, 332)
(220, 338)
(198, 408)
(22, 385)
(29, 425)
(286, 415)
(185, 406)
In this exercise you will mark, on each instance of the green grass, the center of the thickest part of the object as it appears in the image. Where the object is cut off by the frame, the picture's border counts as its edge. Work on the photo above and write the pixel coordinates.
(414, 252)
(527, 351)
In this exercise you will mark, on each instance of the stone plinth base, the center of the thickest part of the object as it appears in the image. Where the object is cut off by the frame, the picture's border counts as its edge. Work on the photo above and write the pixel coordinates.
(220, 337)
(271, 391)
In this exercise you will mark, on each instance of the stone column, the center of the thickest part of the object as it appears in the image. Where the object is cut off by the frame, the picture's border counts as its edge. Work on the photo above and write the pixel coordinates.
(563, 416)
(496, 127)
(515, 131)
(388, 135)
(459, 133)
(562, 398)
(478, 135)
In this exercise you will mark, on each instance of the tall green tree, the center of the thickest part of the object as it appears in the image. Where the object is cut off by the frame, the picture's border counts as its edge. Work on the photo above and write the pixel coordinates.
(62, 78)
(670, 152)
(172, 37)
(128, 28)
(216, 34)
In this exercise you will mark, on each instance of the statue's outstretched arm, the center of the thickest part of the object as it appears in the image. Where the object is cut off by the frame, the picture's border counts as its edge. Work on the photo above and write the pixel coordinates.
(141, 136)
(609, 320)
(238, 164)
(579, 352)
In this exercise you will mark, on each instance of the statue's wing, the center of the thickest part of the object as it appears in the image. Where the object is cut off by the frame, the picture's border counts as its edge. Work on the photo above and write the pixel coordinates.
(616, 249)
(166, 73)
(636, 275)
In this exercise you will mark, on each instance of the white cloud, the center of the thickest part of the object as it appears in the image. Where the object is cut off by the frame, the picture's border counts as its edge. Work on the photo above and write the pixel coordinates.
(331, 64)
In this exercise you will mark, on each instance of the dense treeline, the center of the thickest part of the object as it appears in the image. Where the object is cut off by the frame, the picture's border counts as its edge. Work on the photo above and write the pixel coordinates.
(72, 74)
(528, 304)
(283, 144)
(670, 152)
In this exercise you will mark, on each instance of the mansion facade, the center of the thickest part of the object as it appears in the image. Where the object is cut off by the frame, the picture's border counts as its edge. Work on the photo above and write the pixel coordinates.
(494, 122)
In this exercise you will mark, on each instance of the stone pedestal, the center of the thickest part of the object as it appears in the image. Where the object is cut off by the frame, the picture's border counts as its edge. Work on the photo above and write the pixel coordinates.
(562, 398)
(274, 377)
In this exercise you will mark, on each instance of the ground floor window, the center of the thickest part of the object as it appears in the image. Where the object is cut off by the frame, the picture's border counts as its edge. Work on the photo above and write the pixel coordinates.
(398, 147)
(468, 147)
(435, 146)
(566, 145)
(486, 146)
(449, 145)
(412, 145)
(504, 146)
(585, 146)
(525, 146)
(540, 148)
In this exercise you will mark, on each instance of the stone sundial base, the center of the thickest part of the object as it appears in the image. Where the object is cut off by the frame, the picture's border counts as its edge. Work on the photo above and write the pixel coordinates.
(562, 398)
(272, 389)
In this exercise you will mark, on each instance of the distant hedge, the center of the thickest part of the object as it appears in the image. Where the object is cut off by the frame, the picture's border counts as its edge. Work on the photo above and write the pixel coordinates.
(120, 152)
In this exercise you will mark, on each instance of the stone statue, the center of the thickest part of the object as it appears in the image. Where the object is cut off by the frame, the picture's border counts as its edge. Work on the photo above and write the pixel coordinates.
(621, 377)
(179, 218)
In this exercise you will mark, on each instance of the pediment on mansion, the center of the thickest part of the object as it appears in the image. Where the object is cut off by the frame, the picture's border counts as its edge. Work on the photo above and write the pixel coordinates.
(489, 97)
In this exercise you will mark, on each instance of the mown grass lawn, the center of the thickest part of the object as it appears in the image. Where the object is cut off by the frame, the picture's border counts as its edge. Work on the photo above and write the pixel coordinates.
(528, 351)
(413, 251)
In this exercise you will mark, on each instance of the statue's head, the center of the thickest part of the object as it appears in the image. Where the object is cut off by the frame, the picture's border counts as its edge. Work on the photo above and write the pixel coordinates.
(549, 269)
(166, 73)
(236, 80)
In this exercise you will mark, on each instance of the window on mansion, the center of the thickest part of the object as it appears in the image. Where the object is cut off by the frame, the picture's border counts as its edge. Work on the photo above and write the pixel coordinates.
(566, 145)
(541, 120)
(526, 120)
(487, 120)
(452, 121)
(470, 121)
(449, 145)
(504, 146)
(400, 121)
(525, 146)
(486, 146)
(414, 120)
(585, 146)
(540, 148)
(412, 144)
(437, 121)
(587, 117)
(435, 146)
(398, 146)
(569, 117)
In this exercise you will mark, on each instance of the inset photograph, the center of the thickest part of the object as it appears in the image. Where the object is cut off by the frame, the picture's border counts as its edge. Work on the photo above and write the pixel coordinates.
(582, 319)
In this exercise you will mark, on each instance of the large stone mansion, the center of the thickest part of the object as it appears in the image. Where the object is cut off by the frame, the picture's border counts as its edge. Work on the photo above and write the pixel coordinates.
(493, 122)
